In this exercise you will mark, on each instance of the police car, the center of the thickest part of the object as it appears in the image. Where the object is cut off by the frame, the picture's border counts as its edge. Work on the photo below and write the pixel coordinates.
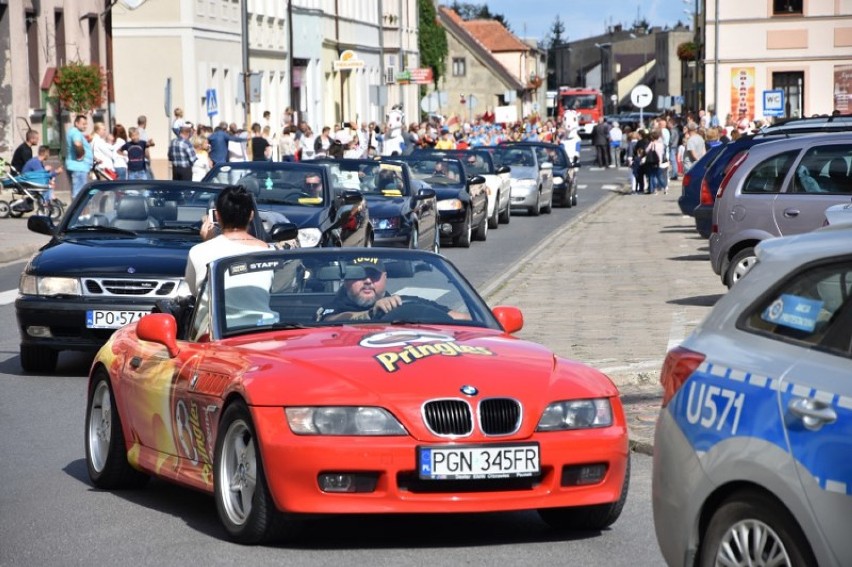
(753, 446)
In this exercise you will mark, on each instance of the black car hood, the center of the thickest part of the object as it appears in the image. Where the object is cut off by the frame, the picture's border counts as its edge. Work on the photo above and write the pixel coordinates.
(113, 256)
(450, 192)
(386, 207)
(303, 217)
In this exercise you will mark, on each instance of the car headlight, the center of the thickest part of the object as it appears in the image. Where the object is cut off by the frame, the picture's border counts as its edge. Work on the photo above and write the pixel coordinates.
(558, 180)
(525, 182)
(450, 205)
(387, 224)
(309, 237)
(342, 420)
(576, 414)
(35, 285)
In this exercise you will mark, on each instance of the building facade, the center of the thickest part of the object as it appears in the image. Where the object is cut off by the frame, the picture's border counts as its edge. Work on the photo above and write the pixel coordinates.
(36, 37)
(754, 51)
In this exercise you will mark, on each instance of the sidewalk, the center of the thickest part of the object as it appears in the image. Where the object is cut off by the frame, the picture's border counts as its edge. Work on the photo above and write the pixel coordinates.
(616, 290)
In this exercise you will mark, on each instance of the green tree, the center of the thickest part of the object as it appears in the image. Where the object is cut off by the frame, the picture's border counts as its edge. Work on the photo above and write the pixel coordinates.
(473, 11)
(433, 41)
(552, 40)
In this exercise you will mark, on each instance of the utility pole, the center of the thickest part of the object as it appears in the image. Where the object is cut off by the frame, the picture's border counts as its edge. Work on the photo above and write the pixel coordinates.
(246, 70)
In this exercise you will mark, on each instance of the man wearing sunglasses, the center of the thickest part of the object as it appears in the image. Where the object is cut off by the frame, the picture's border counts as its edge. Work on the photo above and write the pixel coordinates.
(362, 296)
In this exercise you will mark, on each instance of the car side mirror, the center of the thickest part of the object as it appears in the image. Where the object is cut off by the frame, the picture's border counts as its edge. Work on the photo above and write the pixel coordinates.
(503, 169)
(160, 328)
(546, 165)
(283, 231)
(426, 194)
(510, 318)
(476, 180)
(41, 224)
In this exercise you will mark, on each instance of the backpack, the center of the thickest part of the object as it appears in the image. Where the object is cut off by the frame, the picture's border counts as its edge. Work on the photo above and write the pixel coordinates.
(652, 158)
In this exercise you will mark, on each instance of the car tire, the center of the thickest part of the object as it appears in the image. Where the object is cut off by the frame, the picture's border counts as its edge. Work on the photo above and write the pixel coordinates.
(463, 240)
(246, 511)
(587, 518)
(38, 359)
(740, 264)
(414, 239)
(481, 232)
(506, 215)
(5, 209)
(535, 210)
(740, 515)
(494, 219)
(106, 452)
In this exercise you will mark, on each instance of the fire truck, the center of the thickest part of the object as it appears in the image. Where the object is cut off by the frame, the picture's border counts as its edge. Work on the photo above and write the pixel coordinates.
(587, 104)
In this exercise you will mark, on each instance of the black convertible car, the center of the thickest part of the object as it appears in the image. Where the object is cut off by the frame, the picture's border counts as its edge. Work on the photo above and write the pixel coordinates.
(120, 248)
(462, 198)
(403, 210)
(304, 195)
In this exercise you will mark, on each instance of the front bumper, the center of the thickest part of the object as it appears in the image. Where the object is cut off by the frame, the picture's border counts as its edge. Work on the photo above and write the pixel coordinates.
(452, 223)
(293, 464)
(524, 196)
(65, 319)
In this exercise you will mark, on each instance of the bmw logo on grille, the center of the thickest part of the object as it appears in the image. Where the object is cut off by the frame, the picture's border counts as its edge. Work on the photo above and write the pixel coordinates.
(131, 270)
(469, 390)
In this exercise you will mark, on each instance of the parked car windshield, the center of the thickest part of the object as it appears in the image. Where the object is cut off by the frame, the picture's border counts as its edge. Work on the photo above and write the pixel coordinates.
(290, 185)
(370, 178)
(286, 289)
(141, 207)
(514, 156)
(436, 170)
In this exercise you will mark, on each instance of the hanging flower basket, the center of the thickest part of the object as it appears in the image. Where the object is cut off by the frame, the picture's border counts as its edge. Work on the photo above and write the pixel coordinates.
(80, 88)
(687, 51)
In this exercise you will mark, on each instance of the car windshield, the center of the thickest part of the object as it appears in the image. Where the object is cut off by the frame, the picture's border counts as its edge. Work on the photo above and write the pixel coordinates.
(437, 170)
(117, 208)
(313, 288)
(370, 178)
(578, 101)
(515, 156)
(292, 185)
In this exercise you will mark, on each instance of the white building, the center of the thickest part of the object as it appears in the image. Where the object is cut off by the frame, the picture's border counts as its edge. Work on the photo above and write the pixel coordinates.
(802, 48)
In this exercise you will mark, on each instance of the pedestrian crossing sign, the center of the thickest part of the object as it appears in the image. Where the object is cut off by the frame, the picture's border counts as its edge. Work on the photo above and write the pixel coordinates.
(212, 103)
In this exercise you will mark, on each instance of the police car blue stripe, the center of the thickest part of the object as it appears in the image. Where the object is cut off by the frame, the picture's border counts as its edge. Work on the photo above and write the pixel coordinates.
(830, 470)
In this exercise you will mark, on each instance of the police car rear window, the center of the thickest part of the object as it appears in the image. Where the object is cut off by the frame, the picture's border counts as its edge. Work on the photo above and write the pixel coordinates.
(811, 307)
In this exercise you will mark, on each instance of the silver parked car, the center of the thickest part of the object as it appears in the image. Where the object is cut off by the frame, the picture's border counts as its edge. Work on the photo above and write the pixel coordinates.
(776, 189)
(753, 445)
(531, 178)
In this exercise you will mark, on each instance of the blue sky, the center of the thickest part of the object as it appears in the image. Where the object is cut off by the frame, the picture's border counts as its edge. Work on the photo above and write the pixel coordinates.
(585, 18)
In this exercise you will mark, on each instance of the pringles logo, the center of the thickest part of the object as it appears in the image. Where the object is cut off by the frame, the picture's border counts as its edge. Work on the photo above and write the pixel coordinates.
(416, 345)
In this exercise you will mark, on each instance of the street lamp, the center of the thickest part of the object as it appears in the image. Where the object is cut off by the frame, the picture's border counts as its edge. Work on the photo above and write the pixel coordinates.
(695, 13)
(605, 71)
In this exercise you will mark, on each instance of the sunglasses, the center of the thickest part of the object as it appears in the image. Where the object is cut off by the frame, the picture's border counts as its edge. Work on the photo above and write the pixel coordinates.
(370, 273)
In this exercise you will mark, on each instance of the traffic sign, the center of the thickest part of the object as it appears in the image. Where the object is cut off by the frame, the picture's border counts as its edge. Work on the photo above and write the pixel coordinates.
(212, 103)
(773, 103)
(641, 96)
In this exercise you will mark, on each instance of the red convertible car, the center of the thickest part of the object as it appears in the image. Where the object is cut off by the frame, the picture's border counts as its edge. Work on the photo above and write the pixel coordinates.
(342, 381)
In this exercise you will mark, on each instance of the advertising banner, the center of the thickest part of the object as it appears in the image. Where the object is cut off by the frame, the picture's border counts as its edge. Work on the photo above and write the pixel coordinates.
(843, 88)
(742, 92)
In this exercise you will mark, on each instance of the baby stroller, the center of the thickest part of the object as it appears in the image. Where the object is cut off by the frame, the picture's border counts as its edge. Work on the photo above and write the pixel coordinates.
(29, 193)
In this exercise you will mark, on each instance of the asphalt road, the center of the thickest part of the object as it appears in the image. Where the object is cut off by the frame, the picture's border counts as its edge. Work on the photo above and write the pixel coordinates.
(50, 514)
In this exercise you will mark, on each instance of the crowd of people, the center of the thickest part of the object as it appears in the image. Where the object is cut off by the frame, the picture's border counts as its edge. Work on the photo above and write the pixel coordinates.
(655, 152)
(664, 148)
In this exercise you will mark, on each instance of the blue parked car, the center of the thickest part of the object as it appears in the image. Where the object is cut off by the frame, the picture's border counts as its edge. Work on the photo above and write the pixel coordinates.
(691, 189)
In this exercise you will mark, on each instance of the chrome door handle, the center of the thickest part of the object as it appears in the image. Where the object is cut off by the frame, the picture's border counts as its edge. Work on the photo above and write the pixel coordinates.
(813, 414)
(791, 212)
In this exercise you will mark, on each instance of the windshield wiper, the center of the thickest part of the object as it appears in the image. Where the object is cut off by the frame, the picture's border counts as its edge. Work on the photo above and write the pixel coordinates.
(95, 228)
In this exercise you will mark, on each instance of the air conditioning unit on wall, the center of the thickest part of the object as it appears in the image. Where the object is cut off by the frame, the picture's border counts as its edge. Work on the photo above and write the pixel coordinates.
(390, 75)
